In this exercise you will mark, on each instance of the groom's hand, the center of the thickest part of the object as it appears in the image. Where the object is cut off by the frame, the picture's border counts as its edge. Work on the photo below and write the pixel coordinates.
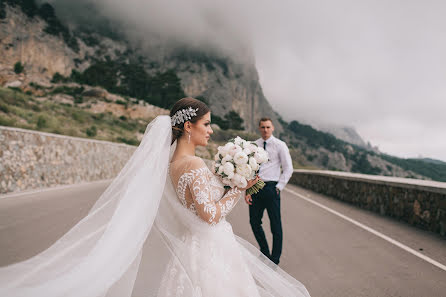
(248, 199)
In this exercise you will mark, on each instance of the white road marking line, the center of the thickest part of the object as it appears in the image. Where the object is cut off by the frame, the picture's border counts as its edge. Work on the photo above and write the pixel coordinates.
(373, 231)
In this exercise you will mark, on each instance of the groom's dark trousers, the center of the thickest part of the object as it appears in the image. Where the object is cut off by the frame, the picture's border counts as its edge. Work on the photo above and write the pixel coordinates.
(268, 199)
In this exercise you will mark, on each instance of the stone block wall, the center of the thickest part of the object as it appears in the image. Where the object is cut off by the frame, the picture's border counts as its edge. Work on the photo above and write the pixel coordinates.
(418, 202)
(32, 160)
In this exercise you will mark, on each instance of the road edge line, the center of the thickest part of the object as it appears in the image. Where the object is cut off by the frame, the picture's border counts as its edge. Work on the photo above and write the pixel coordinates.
(371, 230)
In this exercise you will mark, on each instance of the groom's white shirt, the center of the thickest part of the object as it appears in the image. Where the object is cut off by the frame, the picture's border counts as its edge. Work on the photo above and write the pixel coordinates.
(279, 155)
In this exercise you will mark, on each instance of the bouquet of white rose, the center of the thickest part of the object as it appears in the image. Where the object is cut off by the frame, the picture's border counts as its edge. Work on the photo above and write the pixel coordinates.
(239, 161)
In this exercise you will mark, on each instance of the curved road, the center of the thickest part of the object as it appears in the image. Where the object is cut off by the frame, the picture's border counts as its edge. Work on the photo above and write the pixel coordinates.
(334, 249)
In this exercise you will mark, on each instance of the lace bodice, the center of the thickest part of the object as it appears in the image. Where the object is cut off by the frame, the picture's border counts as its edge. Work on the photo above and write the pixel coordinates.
(200, 191)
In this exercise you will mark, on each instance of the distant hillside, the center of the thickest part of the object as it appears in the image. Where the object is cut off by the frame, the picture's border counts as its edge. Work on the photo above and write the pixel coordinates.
(429, 160)
(323, 150)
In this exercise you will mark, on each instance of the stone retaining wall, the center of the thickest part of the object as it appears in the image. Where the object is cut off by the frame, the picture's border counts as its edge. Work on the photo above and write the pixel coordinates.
(32, 160)
(418, 202)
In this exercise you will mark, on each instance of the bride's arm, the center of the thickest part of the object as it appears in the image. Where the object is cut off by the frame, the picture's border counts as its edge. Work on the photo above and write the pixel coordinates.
(208, 210)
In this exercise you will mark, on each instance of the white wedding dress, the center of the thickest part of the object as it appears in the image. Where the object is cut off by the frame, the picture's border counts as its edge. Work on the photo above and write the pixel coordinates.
(159, 229)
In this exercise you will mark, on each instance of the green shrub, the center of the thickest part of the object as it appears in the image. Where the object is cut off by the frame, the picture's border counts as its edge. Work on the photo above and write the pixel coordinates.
(36, 108)
(92, 131)
(2, 10)
(79, 116)
(234, 120)
(16, 89)
(231, 120)
(55, 26)
(98, 116)
(42, 122)
(4, 108)
(58, 78)
(362, 164)
(28, 7)
(162, 89)
(18, 68)
(67, 90)
(131, 141)
(78, 99)
(222, 123)
(36, 86)
(4, 121)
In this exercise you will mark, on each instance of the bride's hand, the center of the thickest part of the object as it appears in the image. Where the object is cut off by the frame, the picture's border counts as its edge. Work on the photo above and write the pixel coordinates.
(251, 183)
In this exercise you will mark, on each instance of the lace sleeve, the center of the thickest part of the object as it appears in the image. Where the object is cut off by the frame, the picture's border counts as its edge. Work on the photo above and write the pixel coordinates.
(200, 187)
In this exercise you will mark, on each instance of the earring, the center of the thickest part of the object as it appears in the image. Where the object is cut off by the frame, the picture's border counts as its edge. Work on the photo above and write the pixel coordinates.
(188, 139)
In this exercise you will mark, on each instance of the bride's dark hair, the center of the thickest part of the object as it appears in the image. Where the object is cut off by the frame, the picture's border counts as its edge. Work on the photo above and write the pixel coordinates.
(185, 103)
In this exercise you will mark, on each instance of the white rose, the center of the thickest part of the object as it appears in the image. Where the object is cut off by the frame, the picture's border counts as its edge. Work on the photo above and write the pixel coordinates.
(220, 169)
(228, 182)
(222, 152)
(217, 157)
(239, 180)
(252, 147)
(238, 140)
(228, 146)
(258, 157)
(243, 183)
(253, 175)
(247, 150)
(253, 163)
(244, 170)
(227, 158)
(234, 150)
(228, 169)
(240, 158)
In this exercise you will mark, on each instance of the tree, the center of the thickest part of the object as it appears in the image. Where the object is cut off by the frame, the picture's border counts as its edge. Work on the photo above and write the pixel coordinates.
(18, 67)
(234, 120)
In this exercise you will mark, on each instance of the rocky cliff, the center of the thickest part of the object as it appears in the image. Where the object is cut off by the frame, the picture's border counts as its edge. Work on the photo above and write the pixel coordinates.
(225, 83)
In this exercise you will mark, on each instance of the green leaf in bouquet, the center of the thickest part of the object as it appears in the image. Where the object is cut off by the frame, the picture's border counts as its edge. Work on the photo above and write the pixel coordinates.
(255, 188)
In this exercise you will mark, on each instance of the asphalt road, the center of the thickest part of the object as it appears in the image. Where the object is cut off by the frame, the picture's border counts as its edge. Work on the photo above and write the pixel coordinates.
(334, 249)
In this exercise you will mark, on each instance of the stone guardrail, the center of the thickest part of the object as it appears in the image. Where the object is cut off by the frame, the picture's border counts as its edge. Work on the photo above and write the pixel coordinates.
(418, 202)
(32, 160)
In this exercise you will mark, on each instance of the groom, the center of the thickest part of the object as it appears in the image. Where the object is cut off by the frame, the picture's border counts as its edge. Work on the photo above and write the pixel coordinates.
(269, 197)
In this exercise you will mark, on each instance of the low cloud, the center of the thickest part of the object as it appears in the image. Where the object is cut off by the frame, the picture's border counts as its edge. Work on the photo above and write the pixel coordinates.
(378, 66)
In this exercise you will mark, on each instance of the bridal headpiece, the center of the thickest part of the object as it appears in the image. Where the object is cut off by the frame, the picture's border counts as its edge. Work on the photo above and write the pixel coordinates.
(183, 115)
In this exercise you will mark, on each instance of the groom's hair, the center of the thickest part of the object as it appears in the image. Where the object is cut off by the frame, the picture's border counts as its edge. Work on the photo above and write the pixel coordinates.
(185, 103)
(264, 119)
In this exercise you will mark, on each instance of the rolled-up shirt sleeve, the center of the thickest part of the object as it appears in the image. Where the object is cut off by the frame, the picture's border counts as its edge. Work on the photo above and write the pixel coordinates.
(287, 166)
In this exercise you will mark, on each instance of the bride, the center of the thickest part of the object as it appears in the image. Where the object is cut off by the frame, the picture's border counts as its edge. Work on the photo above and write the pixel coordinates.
(159, 229)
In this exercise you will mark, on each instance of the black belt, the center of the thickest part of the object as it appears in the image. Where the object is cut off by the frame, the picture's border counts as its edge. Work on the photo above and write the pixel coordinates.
(271, 183)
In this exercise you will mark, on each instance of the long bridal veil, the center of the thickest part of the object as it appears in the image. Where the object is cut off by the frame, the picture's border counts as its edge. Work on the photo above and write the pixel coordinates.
(132, 240)
(101, 254)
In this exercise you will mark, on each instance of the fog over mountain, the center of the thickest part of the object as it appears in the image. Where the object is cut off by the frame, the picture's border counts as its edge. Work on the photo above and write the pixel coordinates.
(378, 66)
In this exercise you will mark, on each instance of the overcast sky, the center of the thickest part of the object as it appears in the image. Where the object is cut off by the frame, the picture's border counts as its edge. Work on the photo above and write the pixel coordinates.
(376, 65)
